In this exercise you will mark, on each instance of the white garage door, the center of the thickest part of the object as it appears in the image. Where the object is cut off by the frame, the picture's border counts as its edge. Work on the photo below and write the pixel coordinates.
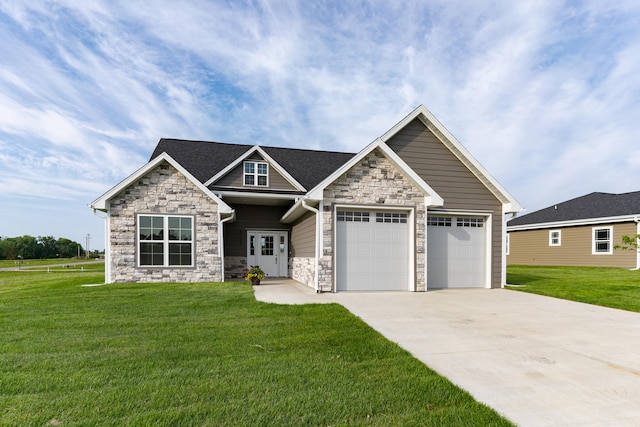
(372, 250)
(456, 252)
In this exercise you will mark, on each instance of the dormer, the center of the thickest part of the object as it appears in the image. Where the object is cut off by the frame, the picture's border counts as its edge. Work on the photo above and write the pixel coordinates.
(254, 170)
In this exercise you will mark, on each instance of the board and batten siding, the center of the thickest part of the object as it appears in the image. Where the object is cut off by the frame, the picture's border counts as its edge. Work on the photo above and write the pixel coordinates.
(303, 236)
(234, 179)
(531, 247)
(452, 180)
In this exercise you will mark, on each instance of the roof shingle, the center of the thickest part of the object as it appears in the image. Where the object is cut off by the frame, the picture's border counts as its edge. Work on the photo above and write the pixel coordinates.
(593, 205)
(205, 159)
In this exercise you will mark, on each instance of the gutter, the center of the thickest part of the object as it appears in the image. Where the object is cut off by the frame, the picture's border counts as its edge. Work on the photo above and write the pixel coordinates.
(316, 278)
(221, 238)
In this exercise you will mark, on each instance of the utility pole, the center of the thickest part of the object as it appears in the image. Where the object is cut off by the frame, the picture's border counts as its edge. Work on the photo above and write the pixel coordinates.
(87, 245)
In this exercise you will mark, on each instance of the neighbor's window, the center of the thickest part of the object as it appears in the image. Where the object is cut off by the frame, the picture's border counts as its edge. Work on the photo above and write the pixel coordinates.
(555, 238)
(256, 173)
(165, 240)
(602, 240)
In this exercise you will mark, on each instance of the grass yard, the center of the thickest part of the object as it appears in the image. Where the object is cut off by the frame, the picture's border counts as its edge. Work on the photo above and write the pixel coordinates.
(204, 354)
(609, 287)
(10, 263)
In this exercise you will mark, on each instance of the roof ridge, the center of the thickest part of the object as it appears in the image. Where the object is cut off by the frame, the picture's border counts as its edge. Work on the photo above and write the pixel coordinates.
(253, 145)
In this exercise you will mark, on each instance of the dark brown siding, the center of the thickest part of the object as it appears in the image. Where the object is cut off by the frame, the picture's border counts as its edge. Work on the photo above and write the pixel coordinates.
(451, 179)
(531, 247)
(253, 218)
(303, 236)
(235, 176)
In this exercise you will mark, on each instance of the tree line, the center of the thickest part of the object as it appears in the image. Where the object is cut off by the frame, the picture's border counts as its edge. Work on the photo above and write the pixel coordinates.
(29, 247)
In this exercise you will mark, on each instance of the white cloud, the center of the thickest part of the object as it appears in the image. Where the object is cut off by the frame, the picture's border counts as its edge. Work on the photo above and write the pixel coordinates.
(544, 94)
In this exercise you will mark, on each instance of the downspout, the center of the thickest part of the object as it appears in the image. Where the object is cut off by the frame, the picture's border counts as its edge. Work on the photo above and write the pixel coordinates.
(107, 247)
(316, 283)
(637, 221)
(221, 238)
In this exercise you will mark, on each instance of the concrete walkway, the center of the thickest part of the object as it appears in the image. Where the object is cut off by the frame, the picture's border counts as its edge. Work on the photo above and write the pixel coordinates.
(538, 361)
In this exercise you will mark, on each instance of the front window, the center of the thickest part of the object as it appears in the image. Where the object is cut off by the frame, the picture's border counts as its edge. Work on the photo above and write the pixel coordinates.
(602, 240)
(256, 174)
(165, 240)
(555, 238)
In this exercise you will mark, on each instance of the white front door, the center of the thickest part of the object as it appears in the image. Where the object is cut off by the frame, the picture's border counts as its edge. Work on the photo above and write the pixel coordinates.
(268, 249)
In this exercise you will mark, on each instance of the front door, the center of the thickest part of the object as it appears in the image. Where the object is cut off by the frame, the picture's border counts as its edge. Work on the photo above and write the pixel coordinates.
(268, 249)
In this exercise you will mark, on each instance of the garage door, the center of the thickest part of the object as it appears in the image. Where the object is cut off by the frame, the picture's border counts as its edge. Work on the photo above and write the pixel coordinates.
(456, 252)
(372, 250)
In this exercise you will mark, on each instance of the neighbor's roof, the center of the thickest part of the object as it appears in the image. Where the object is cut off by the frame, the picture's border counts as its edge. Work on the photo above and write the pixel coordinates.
(205, 159)
(591, 206)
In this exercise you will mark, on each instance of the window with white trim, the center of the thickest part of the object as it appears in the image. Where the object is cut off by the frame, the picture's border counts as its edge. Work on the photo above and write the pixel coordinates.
(602, 240)
(470, 222)
(439, 221)
(391, 217)
(555, 238)
(165, 241)
(353, 216)
(256, 174)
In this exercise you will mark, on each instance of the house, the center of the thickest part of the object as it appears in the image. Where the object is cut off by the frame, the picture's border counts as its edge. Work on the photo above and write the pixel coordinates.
(412, 211)
(579, 232)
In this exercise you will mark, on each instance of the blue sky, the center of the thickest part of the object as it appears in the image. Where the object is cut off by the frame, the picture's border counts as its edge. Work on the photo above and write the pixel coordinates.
(545, 94)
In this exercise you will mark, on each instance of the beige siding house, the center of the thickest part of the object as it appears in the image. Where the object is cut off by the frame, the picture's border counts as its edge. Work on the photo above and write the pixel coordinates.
(412, 211)
(580, 232)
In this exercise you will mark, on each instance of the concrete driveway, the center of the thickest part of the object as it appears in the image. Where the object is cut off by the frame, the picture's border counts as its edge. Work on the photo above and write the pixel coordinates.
(538, 361)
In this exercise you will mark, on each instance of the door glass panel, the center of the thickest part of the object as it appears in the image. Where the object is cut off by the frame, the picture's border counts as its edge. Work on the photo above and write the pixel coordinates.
(267, 245)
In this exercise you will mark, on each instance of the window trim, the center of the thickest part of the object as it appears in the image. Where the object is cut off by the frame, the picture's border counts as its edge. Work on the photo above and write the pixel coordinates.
(165, 240)
(551, 238)
(255, 174)
(594, 242)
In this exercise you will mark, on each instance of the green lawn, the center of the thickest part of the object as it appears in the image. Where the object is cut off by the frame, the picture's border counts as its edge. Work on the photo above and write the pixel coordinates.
(609, 287)
(5, 263)
(204, 354)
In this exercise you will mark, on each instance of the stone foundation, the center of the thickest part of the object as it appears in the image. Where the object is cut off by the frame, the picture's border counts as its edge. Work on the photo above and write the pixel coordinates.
(234, 267)
(302, 269)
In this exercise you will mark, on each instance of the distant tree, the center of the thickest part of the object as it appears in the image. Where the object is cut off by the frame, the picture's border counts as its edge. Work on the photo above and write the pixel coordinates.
(48, 247)
(68, 248)
(28, 247)
(8, 249)
(629, 243)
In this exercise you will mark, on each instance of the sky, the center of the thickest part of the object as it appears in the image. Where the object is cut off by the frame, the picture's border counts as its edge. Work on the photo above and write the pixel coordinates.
(544, 94)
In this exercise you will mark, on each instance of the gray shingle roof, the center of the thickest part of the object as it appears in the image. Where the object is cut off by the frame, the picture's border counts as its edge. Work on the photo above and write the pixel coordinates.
(204, 159)
(594, 205)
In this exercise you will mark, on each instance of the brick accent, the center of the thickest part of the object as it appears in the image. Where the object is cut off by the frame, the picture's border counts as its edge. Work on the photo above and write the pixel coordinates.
(375, 181)
(163, 190)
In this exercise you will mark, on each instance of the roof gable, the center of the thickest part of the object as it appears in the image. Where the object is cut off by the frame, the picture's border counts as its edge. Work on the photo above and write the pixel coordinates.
(433, 198)
(592, 206)
(254, 153)
(101, 202)
(510, 204)
(206, 160)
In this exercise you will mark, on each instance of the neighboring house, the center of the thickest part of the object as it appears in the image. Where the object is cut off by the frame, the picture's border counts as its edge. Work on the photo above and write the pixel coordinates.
(413, 210)
(578, 232)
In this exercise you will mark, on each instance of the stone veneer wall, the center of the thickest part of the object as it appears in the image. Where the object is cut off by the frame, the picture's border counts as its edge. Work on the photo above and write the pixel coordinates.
(163, 190)
(302, 269)
(234, 267)
(374, 181)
